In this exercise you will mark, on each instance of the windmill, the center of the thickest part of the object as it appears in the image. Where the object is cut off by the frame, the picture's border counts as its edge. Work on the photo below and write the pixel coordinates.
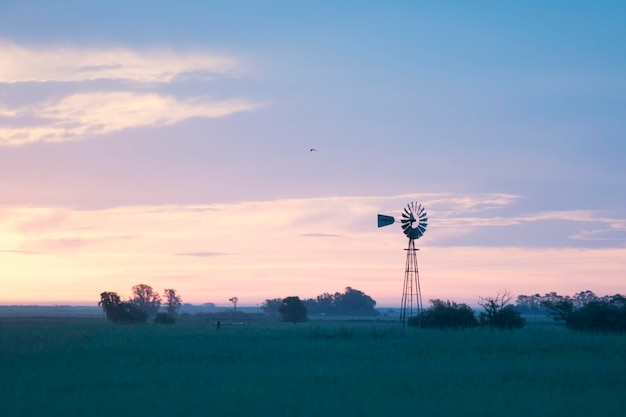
(234, 300)
(414, 221)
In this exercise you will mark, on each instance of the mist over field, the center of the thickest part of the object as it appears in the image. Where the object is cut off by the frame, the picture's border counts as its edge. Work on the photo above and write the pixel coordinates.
(66, 366)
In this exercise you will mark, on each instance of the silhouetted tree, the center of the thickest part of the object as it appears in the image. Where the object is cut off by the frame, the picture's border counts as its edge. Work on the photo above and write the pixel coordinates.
(110, 302)
(499, 313)
(130, 314)
(583, 298)
(556, 305)
(172, 302)
(292, 309)
(270, 307)
(445, 315)
(146, 299)
(530, 304)
(351, 302)
(118, 311)
(355, 302)
(605, 316)
(325, 303)
(559, 309)
(588, 312)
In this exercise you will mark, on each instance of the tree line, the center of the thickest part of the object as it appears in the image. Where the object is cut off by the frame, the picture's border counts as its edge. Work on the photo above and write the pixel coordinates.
(143, 304)
(351, 302)
(539, 304)
(583, 311)
(497, 313)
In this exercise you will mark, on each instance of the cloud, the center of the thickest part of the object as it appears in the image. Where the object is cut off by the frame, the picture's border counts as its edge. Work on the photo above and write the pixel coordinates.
(22, 252)
(324, 226)
(201, 254)
(451, 204)
(615, 234)
(42, 220)
(65, 244)
(84, 115)
(72, 64)
(572, 216)
(129, 97)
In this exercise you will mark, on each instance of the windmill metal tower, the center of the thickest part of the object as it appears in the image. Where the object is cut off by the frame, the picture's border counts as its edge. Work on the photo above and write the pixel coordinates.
(414, 221)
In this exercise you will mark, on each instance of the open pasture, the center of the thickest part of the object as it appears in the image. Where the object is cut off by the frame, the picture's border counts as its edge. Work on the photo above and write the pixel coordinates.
(67, 367)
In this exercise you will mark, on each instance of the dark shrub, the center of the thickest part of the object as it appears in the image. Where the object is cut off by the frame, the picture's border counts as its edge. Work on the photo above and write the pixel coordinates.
(120, 312)
(164, 318)
(445, 315)
(292, 309)
(499, 314)
(508, 318)
(598, 316)
(130, 314)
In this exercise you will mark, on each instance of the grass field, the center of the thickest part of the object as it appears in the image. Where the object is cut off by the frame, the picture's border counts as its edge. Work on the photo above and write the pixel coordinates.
(90, 367)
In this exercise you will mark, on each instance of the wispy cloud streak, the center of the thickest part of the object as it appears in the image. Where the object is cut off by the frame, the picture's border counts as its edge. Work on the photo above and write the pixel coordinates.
(89, 114)
(132, 99)
(72, 64)
(201, 254)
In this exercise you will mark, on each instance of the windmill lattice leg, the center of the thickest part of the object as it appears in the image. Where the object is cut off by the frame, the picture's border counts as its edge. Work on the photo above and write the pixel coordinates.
(411, 304)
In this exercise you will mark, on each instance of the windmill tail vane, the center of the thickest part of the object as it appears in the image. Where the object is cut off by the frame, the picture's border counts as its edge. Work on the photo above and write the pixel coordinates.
(385, 220)
(413, 220)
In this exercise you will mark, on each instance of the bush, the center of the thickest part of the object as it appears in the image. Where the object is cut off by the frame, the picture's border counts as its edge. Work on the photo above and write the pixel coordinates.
(120, 312)
(164, 318)
(604, 315)
(508, 318)
(499, 314)
(128, 313)
(598, 316)
(559, 310)
(445, 315)
(292, 309)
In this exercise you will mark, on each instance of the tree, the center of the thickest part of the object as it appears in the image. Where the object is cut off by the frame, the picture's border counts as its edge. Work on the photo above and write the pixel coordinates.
(445, 315)
(118, 311)
(326, 303)
(110, 302)
(586, 311)
(559, 309)
(499, 313)
(292, 309)
(172, 302)
(583, 298)
(351, 302)
(605, 316)
(529, 304)
(271, 307)
(509, 318)
(355, 302)
(146, 299)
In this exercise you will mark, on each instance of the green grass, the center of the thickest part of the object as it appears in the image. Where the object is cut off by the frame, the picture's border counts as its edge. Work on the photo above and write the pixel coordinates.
(74, 367)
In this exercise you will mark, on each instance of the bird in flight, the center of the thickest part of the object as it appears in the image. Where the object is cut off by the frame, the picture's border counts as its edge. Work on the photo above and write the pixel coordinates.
(313, 150)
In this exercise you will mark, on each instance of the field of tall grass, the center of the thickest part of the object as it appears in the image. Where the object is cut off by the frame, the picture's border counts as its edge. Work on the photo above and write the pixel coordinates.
(90, 367)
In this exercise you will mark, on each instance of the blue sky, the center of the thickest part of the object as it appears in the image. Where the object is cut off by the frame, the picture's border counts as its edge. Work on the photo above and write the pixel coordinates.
(506, 119)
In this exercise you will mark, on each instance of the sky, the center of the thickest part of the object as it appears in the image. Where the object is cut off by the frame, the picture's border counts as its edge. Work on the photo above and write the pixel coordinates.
(169, 143)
